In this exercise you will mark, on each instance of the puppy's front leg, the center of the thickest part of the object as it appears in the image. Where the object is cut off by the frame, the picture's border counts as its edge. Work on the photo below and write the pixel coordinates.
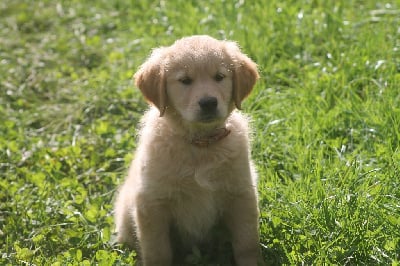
(242, 221)
(153, 235)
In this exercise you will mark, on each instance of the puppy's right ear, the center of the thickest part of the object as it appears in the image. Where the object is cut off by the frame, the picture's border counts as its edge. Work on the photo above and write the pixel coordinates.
(150, 79)
(245, 73)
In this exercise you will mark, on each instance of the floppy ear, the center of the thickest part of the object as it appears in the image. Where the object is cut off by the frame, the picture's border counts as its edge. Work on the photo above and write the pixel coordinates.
(245, 74)
(150, 79)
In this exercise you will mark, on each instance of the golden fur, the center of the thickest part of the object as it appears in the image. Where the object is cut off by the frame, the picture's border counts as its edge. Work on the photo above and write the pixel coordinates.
(194, 87)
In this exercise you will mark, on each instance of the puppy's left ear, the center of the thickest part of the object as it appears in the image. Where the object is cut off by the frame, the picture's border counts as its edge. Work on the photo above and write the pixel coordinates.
(150, 79)
(245, 74)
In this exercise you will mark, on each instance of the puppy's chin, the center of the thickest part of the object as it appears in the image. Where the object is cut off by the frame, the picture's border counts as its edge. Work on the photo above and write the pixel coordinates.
(198, 124)
(201, 127)
(208, 119)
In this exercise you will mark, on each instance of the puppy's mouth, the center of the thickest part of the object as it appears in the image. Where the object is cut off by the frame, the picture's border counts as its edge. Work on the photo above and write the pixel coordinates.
(207, 118)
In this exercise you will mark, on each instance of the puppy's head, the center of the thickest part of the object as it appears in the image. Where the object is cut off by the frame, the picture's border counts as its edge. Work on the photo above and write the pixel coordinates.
(199, 77)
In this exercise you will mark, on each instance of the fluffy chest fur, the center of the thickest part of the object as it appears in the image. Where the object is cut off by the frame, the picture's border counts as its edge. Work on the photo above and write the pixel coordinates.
(194, 183)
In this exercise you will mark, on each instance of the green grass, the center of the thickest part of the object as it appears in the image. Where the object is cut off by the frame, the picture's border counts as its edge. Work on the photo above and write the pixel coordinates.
(326, 118)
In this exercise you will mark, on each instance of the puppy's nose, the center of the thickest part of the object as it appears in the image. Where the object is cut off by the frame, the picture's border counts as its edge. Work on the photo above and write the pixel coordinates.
(208, 104)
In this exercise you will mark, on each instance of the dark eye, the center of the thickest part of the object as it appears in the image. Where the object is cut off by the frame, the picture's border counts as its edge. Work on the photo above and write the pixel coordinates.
(186, 80)
(219, 77)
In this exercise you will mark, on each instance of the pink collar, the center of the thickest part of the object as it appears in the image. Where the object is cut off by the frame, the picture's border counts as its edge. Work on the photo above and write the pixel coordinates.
(218, 135)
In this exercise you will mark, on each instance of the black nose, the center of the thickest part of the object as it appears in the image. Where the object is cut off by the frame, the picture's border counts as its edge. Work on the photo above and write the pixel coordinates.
(208, 104)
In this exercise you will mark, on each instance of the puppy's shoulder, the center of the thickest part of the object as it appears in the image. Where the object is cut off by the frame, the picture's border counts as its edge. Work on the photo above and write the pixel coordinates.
(151, 126)
(239, 123)
(149, 119)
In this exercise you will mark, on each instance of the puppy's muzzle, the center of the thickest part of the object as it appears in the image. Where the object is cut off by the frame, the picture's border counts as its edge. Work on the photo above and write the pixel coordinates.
(208, 108)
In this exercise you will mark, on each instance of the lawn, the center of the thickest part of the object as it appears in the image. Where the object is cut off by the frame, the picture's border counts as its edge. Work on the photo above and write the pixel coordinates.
(326, 120)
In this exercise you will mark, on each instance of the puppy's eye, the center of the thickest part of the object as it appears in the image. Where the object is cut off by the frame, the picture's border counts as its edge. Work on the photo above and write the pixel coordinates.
(219, 77)
(186, 80)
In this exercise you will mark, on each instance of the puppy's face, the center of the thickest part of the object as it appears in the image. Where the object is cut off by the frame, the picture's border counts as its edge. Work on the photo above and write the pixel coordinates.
(199, 77)
(199, 86)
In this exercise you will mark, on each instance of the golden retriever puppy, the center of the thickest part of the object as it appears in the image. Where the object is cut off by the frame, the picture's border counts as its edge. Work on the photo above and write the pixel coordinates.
(192, 168)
